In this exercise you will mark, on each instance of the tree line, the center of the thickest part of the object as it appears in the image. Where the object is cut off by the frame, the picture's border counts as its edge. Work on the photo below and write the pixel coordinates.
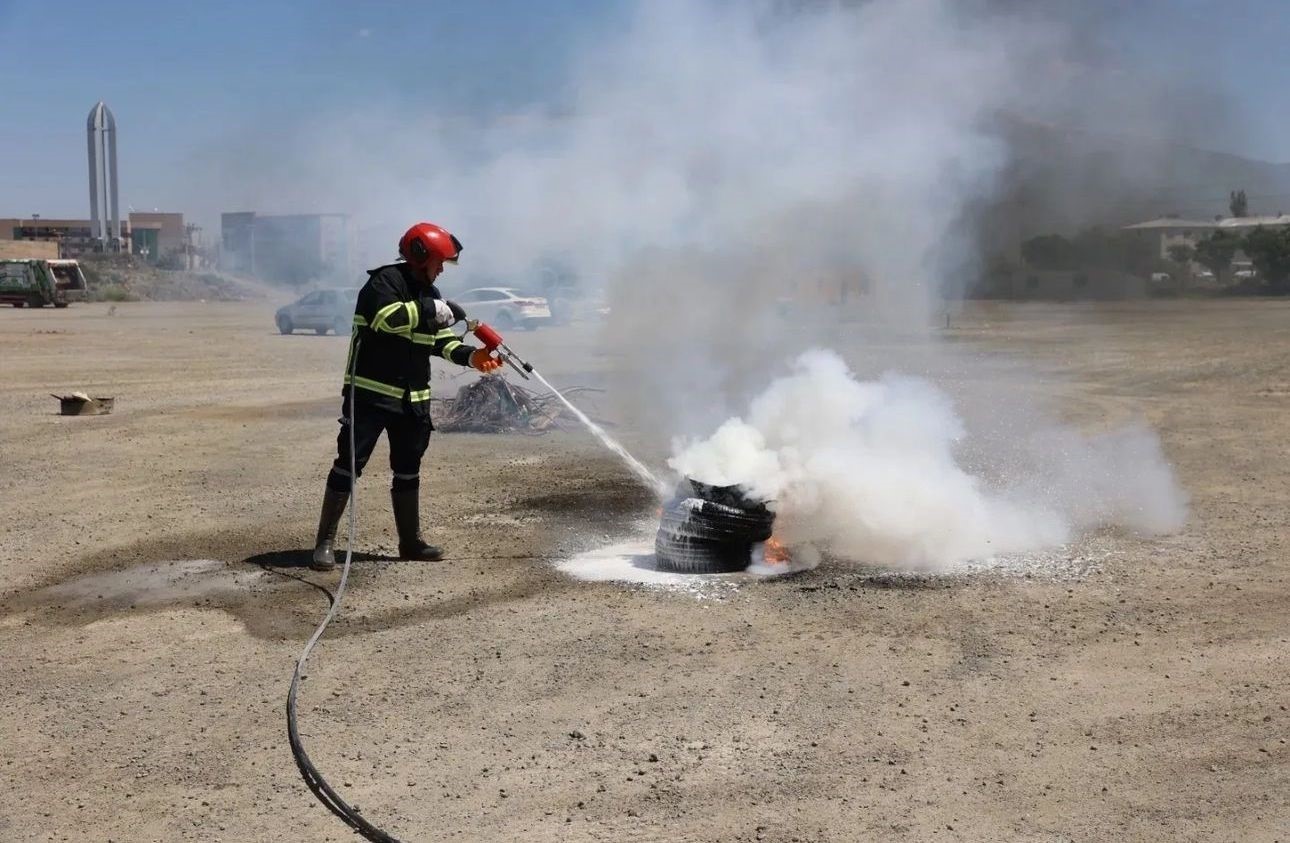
(1268, 250)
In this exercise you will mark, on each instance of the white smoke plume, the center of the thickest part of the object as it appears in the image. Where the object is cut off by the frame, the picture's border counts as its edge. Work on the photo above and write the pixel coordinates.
(868, 472)
(718, 170)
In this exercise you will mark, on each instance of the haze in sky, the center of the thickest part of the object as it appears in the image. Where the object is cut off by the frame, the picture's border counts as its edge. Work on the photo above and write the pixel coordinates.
(188, 82)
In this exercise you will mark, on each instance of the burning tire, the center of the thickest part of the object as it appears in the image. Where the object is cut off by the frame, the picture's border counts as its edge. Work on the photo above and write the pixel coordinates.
(709, 520)
(710, 530)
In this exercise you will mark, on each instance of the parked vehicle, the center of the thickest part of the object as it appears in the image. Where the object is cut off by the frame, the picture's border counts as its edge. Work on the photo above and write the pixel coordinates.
(36, 283)
(319, 311)
(505, 307)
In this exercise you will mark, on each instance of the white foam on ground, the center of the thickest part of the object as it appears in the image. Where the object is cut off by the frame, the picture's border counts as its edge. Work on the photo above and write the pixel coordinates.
(629, 561)
(632, 562)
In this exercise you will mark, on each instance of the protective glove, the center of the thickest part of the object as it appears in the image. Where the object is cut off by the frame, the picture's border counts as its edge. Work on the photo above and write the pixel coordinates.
(445, 313)
(483, 360)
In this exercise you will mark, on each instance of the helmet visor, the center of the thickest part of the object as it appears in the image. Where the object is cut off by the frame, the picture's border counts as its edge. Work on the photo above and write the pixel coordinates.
(456, 245)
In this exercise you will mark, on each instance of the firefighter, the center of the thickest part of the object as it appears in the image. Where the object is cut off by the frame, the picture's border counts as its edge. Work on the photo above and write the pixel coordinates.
(400, 320)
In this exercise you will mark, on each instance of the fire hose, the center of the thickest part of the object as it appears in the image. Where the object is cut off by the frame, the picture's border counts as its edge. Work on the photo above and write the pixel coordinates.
(318, 785)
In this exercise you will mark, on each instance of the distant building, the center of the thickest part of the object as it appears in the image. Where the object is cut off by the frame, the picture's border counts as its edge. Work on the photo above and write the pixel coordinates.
(1166, 232)
(74, 237)
(291, 248)
(1174, 231)
(237, 243)
(1243, 225)
(157, 236)
(153, 236)
(27, 249)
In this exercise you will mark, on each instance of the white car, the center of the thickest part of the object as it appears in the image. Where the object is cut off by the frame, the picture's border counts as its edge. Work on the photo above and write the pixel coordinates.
(504, 307)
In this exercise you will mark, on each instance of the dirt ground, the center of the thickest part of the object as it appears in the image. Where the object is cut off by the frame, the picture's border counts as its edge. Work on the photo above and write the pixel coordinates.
(150, 616)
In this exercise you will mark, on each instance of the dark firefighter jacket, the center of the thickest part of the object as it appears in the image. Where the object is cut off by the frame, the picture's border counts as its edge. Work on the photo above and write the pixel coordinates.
(394, 335)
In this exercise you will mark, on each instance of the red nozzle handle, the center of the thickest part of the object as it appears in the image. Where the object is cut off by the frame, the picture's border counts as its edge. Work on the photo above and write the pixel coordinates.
(490, 338)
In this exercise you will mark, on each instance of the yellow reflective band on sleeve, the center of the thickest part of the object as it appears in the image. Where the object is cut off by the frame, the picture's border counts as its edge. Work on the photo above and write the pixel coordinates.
(382, 320)
(423, 339)
(382, 315)
(449, 348)
(414, 315)
(445, 334)
(360, 321)
(418, 395)
(375, 386)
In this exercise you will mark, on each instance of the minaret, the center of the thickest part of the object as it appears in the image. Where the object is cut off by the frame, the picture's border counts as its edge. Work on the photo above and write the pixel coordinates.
(100, 132)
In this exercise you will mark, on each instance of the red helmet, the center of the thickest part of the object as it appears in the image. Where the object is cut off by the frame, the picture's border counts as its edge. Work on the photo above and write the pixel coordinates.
(425, 242)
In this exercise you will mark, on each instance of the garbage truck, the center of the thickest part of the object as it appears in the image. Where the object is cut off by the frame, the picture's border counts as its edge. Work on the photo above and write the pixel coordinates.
(36, 283)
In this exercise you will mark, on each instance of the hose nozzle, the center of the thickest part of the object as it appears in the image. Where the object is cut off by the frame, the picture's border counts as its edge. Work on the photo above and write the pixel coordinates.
(493, 341)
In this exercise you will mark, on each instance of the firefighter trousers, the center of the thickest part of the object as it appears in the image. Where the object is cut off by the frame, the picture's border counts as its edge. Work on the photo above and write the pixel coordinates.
(407, 435)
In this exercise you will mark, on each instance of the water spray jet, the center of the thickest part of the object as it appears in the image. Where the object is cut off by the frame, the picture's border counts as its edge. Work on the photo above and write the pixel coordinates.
(493, 341)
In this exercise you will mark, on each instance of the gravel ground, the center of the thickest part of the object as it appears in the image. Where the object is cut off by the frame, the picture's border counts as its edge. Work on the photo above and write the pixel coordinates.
(151, 608)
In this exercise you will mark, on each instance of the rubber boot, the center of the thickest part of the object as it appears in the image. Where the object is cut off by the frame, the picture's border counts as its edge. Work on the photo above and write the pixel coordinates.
(333, 507)
(407, 520)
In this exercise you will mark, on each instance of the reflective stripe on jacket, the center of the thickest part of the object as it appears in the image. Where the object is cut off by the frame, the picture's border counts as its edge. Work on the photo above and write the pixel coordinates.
(396, 335)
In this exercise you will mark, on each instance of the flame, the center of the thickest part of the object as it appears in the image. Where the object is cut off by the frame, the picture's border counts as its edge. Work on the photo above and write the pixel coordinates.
(776, 553)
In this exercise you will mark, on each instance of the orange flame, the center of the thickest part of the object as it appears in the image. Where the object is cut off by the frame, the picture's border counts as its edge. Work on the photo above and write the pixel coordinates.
(776, 553)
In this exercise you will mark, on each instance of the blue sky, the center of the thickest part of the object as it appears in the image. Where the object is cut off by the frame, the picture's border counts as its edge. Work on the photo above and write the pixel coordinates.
(1236, 48)
(179, 75)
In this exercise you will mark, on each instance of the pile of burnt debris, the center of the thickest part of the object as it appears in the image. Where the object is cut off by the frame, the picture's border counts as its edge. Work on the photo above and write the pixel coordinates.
(492, 404)
(708, 529)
